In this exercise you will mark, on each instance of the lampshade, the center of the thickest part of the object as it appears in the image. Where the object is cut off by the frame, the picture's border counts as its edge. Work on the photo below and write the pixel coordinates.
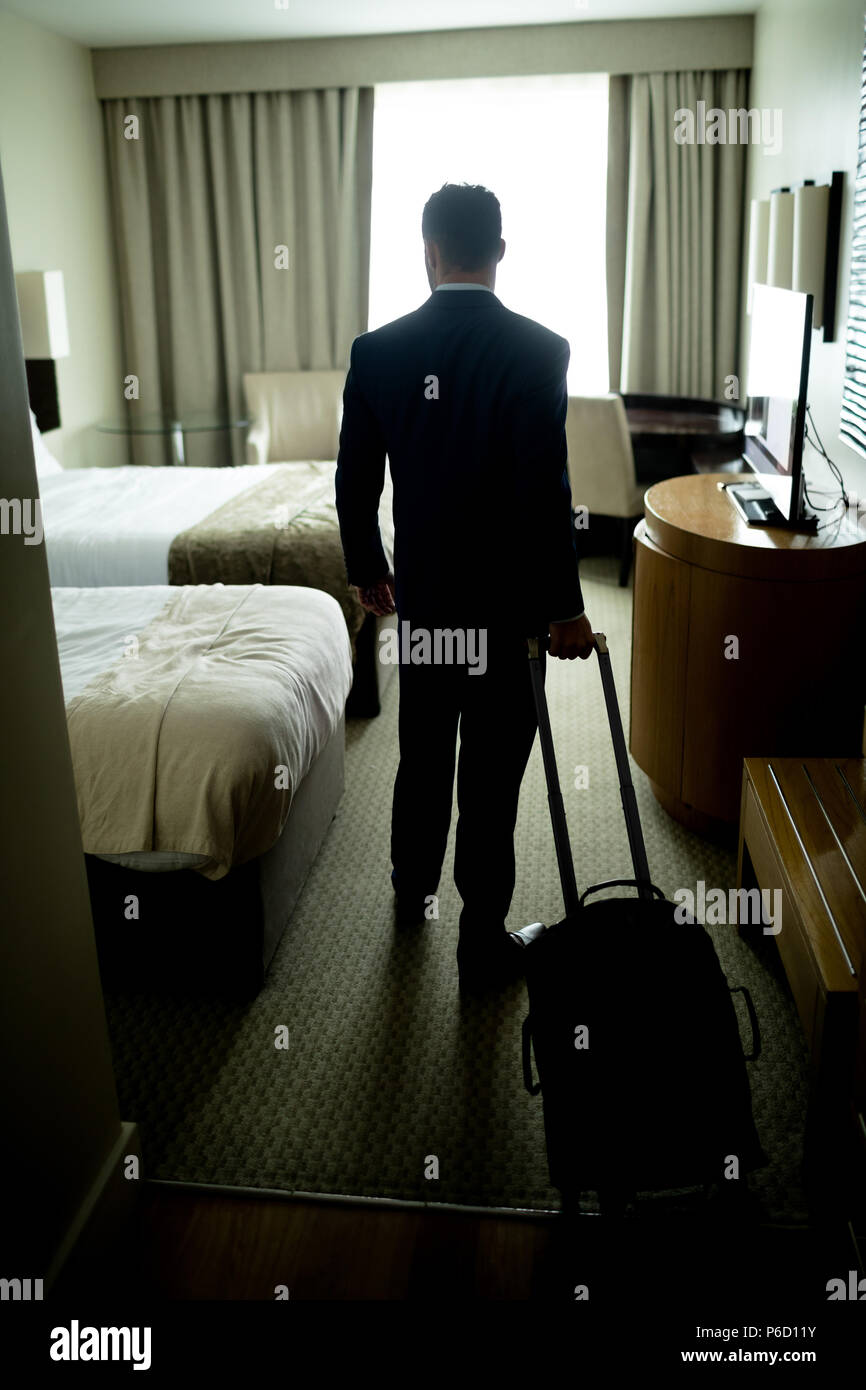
(759, 244)
(811, 205)
(781, 254)
(42, 310)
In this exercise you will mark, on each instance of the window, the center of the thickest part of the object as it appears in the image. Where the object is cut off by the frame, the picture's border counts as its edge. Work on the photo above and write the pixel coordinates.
(540, 143)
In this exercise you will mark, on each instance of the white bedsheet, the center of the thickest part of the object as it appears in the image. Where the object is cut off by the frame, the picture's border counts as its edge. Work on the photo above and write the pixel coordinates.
(115, 526)
(95, 629)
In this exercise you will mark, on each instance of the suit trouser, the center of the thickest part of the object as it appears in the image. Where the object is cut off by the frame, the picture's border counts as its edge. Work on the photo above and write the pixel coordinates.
(495, 715)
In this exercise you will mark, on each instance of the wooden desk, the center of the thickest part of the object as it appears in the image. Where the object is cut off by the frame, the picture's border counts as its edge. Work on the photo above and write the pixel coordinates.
(746, 641)
(672, 435)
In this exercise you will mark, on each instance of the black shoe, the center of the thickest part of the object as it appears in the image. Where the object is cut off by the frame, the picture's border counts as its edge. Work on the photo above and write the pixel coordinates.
(409, 909)
(409, 914)
(500, 964)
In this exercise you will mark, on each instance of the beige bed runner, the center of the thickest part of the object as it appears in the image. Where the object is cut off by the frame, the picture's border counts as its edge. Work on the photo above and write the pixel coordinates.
(197, 743)
(280, 531)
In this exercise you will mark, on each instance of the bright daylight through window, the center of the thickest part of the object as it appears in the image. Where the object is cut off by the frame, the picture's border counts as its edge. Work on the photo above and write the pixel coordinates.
(540, 143)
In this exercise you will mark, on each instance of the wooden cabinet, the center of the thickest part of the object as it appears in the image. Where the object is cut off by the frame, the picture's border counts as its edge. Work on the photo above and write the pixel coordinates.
(746, 642)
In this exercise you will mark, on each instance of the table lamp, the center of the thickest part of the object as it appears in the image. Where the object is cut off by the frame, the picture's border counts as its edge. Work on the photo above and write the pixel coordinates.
(45, 338)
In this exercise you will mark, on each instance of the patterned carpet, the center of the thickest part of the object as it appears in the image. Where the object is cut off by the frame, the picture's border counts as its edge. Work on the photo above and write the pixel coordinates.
(385, 1067)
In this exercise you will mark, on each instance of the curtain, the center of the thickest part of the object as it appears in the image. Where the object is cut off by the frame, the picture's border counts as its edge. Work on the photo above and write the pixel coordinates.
(674, 236)
(242, 238)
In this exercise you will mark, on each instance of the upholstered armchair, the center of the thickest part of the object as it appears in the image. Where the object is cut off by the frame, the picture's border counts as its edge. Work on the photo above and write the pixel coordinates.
(296, 415)
(601, 467)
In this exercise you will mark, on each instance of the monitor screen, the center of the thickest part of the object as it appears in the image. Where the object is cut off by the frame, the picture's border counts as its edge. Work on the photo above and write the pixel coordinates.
(778, 375)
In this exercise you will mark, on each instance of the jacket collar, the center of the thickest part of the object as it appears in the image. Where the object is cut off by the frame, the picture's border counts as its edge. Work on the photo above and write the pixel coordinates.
(465, 299)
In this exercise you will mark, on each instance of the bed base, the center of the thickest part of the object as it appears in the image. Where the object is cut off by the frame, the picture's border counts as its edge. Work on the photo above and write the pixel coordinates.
(217, 935)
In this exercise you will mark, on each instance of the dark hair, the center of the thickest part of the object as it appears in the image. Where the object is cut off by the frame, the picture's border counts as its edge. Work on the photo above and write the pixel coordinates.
(465, 222)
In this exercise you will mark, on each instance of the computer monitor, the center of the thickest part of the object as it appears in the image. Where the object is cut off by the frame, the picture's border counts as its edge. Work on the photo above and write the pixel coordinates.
(777, 383)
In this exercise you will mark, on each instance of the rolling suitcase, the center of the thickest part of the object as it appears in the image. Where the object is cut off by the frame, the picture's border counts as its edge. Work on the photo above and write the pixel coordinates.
(631, 1020)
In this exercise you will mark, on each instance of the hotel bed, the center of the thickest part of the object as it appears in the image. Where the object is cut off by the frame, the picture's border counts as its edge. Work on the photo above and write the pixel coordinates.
(115, 526)
(263, 523)
(207, 732)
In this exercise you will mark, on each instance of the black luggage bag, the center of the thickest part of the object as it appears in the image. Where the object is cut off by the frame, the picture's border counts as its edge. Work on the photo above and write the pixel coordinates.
(631, 1020)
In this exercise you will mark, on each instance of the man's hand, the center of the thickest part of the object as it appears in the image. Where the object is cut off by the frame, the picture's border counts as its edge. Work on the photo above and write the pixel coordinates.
(379, 598)
(568, 640)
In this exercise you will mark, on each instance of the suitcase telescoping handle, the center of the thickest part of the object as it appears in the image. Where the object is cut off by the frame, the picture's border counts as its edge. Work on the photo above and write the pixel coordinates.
(554, 794)
(753, 1021)
(532, 1086)
(626, 786)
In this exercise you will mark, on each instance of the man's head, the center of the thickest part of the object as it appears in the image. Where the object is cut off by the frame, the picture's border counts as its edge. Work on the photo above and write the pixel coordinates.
(462, 230)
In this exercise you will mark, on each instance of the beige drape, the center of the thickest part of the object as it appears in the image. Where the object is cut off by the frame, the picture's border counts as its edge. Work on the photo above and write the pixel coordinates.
(674, 236)
(203, 196)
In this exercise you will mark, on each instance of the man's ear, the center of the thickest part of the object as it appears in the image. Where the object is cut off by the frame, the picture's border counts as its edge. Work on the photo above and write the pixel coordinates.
(501, 250)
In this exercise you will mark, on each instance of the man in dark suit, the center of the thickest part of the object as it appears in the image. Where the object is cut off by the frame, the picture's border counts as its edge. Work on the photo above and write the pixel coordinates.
(468, 400)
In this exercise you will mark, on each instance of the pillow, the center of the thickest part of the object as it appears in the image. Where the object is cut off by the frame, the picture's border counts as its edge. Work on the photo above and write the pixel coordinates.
(45, 461)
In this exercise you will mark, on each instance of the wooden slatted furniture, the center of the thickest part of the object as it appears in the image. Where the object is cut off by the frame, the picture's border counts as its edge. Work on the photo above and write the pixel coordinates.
(803, 838)
(858, 1118)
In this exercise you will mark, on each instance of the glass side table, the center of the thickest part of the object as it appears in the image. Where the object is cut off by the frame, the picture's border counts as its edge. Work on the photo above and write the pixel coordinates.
(191, 422)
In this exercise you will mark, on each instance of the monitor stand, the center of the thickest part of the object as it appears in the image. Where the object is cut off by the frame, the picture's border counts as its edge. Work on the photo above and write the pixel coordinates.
(757, 508)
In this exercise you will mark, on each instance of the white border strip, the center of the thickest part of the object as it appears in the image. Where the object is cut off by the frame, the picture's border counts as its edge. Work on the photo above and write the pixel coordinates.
(343, 1199)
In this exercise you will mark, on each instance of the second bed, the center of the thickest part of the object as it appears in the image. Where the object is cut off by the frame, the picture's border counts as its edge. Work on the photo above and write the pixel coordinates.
(206, 725)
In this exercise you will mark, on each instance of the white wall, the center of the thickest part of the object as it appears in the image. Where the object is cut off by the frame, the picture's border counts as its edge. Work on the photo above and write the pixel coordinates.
(644, 45)
(53, 163)
(807, 63)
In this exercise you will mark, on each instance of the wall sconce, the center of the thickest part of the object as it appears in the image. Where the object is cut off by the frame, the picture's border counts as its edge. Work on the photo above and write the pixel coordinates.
(817, 224)
(759, 245)
(780, 254)
(45, 338)
(794, 245)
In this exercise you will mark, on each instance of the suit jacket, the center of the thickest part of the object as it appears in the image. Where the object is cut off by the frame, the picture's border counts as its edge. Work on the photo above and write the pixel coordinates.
(468, 400)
